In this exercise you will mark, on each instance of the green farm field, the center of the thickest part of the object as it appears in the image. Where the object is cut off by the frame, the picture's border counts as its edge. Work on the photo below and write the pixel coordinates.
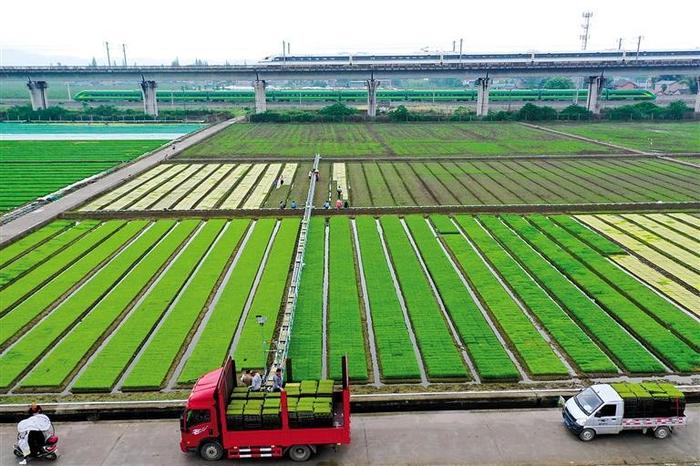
(386, 139)
(33, 169)
(212, 186)
(528, 298)
(647, 136)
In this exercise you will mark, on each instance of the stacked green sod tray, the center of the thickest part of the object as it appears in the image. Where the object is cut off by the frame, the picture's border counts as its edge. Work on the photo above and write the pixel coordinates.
(650, 399)
(309, 403)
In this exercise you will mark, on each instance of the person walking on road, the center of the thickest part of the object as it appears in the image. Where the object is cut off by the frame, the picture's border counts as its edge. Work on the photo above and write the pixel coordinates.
(339, 190)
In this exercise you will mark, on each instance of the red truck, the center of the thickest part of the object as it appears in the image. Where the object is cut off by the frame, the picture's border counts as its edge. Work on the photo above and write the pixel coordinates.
(223, 419)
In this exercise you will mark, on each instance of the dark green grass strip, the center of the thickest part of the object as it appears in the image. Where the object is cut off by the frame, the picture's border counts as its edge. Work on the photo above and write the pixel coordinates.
(598, 242)
(54, 370)
(632, 356)
(441, 356)
(576, 343)
(105, 369)
(268, 297)
(630, 287)
(534, 351)
(345, 330)
(214, 342)
(305, 348)
(489, 357)
(395, 350)
(30, 242)
(157, 360)
(36, 341)
(678, 354)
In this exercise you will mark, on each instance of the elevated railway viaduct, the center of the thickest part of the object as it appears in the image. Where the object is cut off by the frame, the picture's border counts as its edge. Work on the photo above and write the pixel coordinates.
(593, 67)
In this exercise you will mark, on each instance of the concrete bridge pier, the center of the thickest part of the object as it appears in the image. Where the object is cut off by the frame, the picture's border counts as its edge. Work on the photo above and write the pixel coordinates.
(37, 93)
(483, 85)
(595, 86)
(697, 96)
(259, 86)
(372, 85)
(150, 103)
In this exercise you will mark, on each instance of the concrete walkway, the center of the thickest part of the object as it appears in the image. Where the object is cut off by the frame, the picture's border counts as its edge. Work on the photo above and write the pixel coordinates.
(49, 211)
(446, 437)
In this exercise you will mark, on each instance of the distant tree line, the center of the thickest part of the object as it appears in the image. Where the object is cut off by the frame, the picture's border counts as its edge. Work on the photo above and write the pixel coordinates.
(529, 112)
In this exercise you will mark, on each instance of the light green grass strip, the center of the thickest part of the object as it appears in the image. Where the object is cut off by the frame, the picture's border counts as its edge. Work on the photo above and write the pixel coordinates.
(28, 243)
(214, 342)
(54, 370)
(157, 360)
(268, 297)
(106, 368)
(37, 340)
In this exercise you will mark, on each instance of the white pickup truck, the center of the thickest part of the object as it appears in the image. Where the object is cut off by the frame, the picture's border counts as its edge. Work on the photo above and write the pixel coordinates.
(610, 409)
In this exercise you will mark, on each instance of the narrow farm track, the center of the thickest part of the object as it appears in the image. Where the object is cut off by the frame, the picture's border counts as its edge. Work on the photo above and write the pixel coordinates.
(453, 331)
(371, 341)
(491, 362)
(211, 306)
(236, 294)
(661, 341)
(57, 366)
(569, 338)
(621, 345)
(534, 350)
(402, 305)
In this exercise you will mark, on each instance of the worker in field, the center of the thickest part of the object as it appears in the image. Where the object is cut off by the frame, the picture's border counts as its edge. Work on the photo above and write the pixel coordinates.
(327, 204)
(277, 382)
(247, 378)
(317, 174)
(339, 204)
(339, 190)
(311, 173)
(283, 204)
(293, 205)
(346, 204)
(256, 383)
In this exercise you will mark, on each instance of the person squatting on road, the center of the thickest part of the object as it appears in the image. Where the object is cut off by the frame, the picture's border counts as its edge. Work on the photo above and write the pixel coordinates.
(247, 378)
(256, 385)
(33, 431)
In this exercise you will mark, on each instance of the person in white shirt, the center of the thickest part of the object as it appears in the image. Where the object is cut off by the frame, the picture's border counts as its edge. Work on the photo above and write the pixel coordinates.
(257, 382)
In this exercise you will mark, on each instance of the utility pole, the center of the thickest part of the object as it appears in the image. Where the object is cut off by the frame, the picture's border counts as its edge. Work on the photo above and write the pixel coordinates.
(619, 43)
(461, 41)
(289, 49)
(284, 51)
(586, 29)
(109, 59)
(454, 46)
(639, 44)
(124, 52)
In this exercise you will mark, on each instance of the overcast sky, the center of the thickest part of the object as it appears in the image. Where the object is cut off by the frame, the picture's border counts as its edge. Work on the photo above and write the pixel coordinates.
(73, 31)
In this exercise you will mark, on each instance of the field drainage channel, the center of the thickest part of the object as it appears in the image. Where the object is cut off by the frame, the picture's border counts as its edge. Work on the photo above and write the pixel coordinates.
(368, 311)
(128, 313)
(171, 306)
(210, 309)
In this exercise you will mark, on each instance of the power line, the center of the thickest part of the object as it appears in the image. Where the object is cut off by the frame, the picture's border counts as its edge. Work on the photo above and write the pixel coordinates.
(586, 29)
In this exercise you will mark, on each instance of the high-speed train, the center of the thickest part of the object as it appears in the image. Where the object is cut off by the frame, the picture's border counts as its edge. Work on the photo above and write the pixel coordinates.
(452, 57)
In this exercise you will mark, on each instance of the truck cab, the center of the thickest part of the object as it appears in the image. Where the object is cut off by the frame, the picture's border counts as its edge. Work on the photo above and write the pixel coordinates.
(598, 408)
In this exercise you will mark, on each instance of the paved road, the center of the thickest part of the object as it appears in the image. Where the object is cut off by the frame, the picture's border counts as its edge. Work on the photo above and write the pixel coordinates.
(45, 213)
(448, 437)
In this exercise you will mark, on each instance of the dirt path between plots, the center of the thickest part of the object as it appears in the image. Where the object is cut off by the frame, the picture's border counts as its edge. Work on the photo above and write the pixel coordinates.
(378, 137)
(44, 214)
(682, 162)
(583, 138)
